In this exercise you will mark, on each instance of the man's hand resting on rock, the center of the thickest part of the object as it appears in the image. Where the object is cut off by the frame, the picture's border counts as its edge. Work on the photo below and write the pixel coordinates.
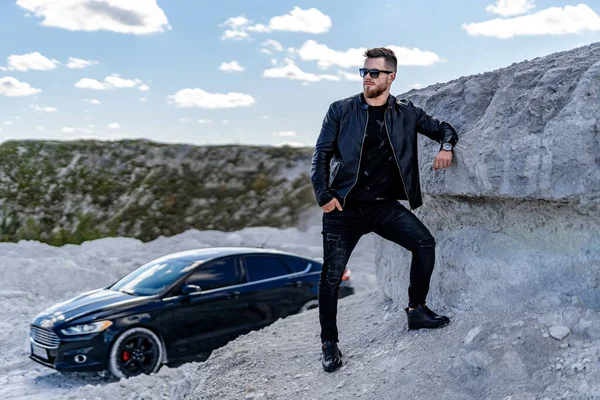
(442, 160)
(331, 205)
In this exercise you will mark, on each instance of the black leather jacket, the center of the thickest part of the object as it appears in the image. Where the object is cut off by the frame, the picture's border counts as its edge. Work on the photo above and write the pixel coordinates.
(338, 151)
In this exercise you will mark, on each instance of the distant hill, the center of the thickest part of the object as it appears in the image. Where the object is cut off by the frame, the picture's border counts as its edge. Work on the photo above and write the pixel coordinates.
(68, 192)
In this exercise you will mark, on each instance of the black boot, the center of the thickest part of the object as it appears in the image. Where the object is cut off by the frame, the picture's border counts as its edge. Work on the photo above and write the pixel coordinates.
(423, 317)
(332, 356)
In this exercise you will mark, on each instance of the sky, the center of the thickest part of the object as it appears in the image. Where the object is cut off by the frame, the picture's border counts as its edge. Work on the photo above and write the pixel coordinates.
(246, 72)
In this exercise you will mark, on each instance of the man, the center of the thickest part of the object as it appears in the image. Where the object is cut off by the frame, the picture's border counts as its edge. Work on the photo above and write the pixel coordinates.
(365, 160)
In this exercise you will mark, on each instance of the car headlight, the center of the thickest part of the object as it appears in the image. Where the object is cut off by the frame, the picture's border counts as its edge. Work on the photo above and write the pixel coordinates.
(84, 329)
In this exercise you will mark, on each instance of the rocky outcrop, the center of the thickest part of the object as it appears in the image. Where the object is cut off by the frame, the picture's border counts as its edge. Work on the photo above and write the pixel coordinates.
(70, 192)
(516, 217)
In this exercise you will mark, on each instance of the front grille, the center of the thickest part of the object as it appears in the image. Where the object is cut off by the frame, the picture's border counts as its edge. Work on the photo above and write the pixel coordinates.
(44, 337)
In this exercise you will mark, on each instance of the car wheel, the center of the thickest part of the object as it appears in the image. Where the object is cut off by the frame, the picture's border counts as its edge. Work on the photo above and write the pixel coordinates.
(137, 351)
(314, 303)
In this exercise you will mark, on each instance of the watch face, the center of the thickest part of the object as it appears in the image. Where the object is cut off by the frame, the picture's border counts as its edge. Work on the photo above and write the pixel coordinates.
(447, 146)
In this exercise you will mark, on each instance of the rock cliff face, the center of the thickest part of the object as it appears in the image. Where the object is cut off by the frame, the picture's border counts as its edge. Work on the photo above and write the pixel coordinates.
(69, 192)
(516, 217)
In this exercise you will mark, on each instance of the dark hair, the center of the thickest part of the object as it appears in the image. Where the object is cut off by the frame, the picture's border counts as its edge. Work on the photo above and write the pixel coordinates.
(388, 54)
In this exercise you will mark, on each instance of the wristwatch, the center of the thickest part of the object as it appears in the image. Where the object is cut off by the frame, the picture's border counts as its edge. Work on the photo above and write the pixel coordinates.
(447, 146)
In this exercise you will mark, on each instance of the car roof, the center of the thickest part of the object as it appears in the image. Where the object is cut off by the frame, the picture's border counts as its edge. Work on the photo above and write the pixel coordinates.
(208, 253)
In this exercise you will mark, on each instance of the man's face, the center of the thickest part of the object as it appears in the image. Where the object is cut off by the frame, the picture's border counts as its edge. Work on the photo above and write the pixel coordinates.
(374, 87)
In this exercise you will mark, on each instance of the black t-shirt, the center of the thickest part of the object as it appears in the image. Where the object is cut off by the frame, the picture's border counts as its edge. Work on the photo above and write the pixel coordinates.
(378, 177)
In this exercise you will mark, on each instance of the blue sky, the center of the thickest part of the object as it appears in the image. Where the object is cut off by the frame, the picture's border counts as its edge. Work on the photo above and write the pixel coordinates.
(247, 72)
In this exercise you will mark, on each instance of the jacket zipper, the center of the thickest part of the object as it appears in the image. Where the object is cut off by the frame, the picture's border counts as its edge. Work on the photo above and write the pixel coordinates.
(396, 159)
(359, 158)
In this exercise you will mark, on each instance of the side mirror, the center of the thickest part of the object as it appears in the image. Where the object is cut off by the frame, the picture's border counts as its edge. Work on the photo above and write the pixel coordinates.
(187, 289)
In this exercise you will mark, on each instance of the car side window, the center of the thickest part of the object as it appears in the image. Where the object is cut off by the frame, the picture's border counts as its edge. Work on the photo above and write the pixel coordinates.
(296, 264)
(264, 267)
(217, 274)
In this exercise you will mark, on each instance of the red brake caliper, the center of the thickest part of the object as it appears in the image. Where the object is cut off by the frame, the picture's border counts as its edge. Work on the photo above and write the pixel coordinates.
(125, 355)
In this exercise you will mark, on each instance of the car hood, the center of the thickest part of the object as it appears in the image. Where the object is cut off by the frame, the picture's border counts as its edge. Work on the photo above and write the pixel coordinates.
(84, 304)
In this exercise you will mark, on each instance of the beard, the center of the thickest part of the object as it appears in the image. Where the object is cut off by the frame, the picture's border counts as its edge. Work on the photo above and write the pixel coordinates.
(374, 91)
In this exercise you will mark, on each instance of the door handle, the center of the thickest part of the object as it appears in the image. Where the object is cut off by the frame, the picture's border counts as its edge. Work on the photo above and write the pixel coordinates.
(294, 284)
(233, 295)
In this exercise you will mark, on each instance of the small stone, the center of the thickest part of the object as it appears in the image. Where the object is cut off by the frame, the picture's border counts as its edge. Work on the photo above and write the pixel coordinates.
(341, 384)
(559, 332)
(546, 335)
(371, 340)
(386, 308)
(564, 345)
(471, 335)
(558, 367)
(586, 360)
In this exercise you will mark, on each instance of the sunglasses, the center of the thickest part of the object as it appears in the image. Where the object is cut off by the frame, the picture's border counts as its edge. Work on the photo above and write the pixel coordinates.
(373, 72)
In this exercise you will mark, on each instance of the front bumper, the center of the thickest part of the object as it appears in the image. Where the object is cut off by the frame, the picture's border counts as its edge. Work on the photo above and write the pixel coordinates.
(62, 358)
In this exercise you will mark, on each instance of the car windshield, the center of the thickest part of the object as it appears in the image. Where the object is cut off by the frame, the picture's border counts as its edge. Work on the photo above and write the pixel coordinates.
(155, 276)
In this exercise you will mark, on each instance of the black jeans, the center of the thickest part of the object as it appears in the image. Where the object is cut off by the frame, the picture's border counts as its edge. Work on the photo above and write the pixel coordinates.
(341, 232)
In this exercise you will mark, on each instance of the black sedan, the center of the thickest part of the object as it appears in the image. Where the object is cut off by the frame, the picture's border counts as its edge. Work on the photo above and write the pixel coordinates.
(175, 308)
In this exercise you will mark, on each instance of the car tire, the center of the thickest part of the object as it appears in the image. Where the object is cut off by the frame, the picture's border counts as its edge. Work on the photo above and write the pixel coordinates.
(136, 351)
(309, 305)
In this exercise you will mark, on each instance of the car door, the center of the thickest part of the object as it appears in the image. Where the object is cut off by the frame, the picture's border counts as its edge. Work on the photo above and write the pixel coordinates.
(204, 320)
(272, 288)
(309, 283)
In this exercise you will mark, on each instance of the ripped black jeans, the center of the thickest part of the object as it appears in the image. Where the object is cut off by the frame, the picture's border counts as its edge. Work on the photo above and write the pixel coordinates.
(342, 231)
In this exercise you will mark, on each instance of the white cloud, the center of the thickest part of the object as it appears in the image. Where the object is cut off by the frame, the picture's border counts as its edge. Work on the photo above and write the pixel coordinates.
(200, 98)
(205, 121)
(416, 86)
(30, 61)
(235, 22)
(350, 76)
(354, 57)
(118, 82)
(66, 129)
(551, 21)
(113, 81)
(265, 117)
(143, 99)
(123, 16)
(271, 45)
(114, 125)
(88, 83)
(92, 101)
(292, 71)
(40, 128)
(91, 126)
(234, 35)
(232, 66)
(144, 88)
(8, 122)
(225, 121)
(511, 7)
(285, 133)
(44, 109)
(298, 20)
(12, 87)
(78, 63)
(259, 28)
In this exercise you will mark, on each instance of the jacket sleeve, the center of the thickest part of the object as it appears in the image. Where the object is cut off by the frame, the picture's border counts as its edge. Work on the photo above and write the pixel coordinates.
(440, 131)
(324, 150)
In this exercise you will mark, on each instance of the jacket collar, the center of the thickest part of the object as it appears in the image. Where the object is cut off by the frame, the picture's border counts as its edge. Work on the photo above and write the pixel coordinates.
(364, 106)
